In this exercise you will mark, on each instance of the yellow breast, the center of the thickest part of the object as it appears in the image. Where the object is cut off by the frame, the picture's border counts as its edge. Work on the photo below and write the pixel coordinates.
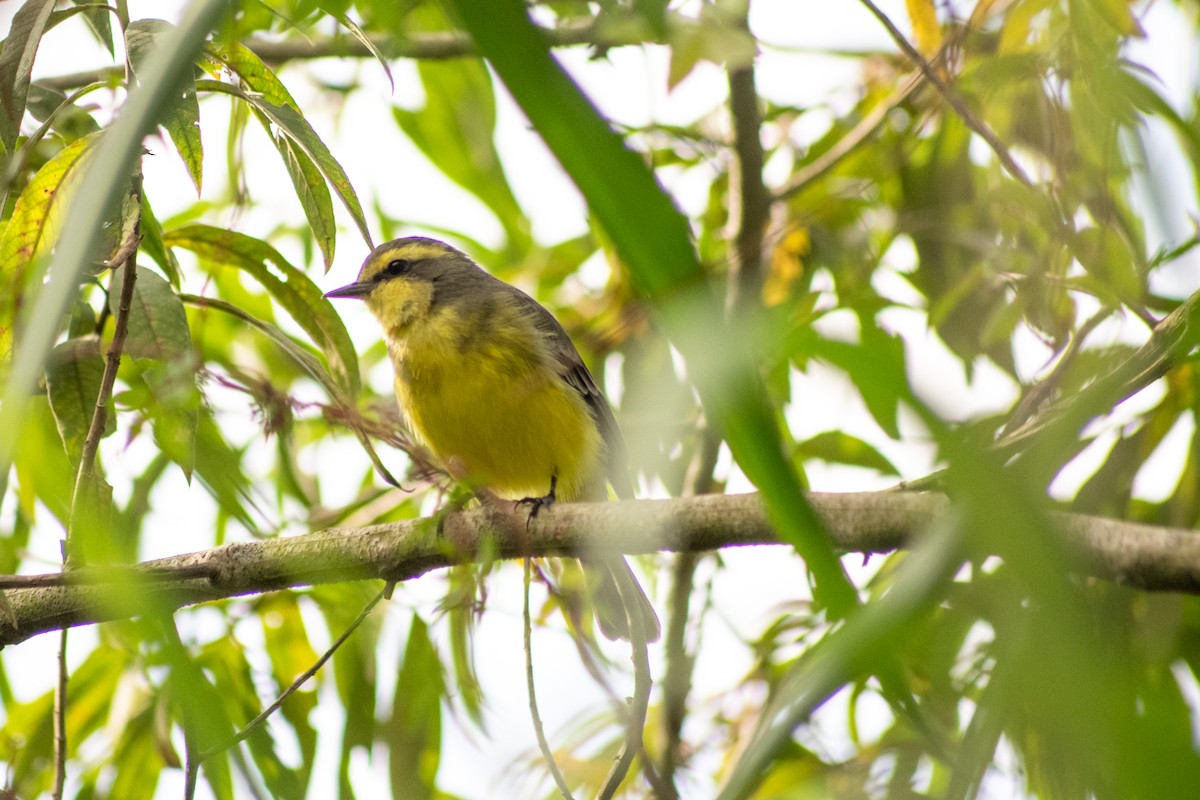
(495, 410)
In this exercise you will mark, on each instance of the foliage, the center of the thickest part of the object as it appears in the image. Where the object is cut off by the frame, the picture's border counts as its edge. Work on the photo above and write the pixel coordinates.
(895, 253)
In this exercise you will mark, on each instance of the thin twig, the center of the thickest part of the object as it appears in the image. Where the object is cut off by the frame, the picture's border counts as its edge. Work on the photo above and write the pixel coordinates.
(855, 137)
(1040, 392)
(426, 46)
(253, 724)
(538, 730)
(60, 720)
(951, 96)
(635, 721)
(677, 678)
(84, 472)
(91, 444)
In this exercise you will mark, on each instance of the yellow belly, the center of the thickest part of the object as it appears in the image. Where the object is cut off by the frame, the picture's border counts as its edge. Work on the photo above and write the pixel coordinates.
(501, 418)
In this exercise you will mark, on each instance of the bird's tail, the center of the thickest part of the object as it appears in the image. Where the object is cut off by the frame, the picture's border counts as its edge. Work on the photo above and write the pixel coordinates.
(620, 601)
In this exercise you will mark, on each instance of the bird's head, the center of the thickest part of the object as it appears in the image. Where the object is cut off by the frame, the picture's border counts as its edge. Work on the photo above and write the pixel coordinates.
(399, 280)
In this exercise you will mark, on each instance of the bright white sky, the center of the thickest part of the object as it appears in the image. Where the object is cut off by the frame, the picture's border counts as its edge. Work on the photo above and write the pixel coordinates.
(630, 86)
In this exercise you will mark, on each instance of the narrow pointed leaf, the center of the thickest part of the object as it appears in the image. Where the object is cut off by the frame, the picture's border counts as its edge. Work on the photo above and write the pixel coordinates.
(290, 287)
(32, 230)
(16, 64)
(291, 123)
(182, 122)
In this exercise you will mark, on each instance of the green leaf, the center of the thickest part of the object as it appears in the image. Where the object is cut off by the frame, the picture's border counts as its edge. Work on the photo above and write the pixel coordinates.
(44, 472)
(876, 366)
(313, 194)
(290, 287)
(152, 244)
(182, 119)
(16, 65)
(100, 21)
(837, 447)
(295, 350)
(1110, 264)
(137, 759)
(292, 124)
(92, 540)
(456, 132)
(33, 229)
(158, 326)
(287, 645)
(354, 668)
(73, 377)
(257, 76)
(175, 410)
(219, 468)
(366, 42)
(101, 188)
(414, 731)
(308, 180)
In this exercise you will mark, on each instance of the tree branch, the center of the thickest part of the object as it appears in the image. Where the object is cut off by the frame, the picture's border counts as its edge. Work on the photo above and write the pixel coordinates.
(439, 45)
(1132, 554)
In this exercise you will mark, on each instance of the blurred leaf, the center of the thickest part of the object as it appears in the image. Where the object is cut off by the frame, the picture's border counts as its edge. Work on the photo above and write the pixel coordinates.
(138, 759)
(290, 287)
(926, 30)
(1111, 266)
(100, 22)
(837, 447)
(43, 470)
(33, 229)
(877, 368)
(291, 653)
(182, 119)
(709, 38)
(16, 64)
(175, 410)
(73, 378)
(353, 666)
(92, 541)
(219, 467)
(456, 132)
(414, 731)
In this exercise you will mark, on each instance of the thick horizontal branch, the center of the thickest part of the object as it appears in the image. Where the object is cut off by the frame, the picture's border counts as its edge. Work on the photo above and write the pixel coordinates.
(1142, 556)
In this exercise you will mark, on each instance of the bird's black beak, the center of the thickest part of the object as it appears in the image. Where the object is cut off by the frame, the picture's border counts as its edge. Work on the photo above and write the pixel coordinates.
(359, 290)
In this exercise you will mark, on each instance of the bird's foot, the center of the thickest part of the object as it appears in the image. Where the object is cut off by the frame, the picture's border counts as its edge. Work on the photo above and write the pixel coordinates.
(536, 504)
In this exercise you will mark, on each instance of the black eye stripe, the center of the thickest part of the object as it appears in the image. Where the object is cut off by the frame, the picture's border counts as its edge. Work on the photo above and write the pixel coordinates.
(395, 267)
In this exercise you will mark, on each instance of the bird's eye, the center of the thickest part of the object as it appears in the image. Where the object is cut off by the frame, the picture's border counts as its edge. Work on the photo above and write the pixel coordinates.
(396, 267)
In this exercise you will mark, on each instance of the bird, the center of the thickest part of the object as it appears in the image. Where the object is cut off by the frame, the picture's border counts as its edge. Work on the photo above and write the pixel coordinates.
(490, 382)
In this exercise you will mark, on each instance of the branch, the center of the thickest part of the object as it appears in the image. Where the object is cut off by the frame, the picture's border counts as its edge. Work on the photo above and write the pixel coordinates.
(1132, 554)
(951, 96)
(438, 45)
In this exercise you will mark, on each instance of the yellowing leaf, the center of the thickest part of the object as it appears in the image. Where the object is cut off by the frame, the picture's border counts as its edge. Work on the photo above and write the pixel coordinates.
(926, 29)
(32, 231)
(787, 266)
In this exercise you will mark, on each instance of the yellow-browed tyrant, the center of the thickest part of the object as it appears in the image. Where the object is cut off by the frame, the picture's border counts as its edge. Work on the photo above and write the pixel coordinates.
(490, 382)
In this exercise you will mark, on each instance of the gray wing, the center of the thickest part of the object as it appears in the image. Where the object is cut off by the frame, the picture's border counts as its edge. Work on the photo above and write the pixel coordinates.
(575, 373)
